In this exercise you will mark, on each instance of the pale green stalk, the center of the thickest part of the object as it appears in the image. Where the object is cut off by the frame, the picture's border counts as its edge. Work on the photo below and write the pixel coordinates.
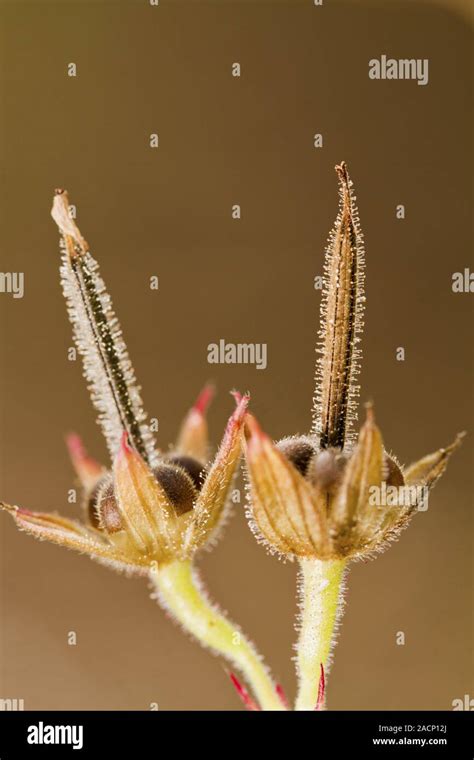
(320, 603)
(179, 590)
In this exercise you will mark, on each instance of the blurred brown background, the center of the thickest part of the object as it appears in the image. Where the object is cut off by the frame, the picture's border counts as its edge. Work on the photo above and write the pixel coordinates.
(167, 212)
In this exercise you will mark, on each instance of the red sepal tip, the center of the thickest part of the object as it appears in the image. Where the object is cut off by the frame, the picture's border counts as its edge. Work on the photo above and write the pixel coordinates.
(282, 696)
(321, 690)
(125, 443)
(78, 453)
(86, 467)
(254, 433)
(205, 397)
(237, 396)
(75, 446)
(243, 693)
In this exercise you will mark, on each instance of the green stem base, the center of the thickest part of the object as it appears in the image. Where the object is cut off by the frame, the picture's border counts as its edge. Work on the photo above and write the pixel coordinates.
(320, 603)
(179, 590)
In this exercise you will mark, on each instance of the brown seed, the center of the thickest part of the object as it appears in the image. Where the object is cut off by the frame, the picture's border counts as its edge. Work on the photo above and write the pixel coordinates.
(298, 451)
(177, 485)
(196, 471)
(103, 511)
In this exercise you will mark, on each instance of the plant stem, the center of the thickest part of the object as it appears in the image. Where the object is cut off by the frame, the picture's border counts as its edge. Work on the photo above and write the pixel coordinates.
(320, 603)
(180, 591)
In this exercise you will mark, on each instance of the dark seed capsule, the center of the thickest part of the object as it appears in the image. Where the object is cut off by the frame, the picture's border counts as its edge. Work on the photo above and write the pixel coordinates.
(298, 451)
(196, 471)
(177, 485)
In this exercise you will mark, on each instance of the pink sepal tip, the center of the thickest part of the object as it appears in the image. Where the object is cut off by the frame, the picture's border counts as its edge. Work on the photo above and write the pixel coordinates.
(86, 467)
(78, 453)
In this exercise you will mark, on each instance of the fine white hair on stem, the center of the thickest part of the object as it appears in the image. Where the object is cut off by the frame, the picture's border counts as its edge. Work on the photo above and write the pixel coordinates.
(178, 588)
(321, 588)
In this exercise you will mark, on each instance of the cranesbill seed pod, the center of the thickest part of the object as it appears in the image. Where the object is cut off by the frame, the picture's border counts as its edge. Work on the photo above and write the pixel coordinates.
(153, 512)
(331, 497)
(315, 496)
